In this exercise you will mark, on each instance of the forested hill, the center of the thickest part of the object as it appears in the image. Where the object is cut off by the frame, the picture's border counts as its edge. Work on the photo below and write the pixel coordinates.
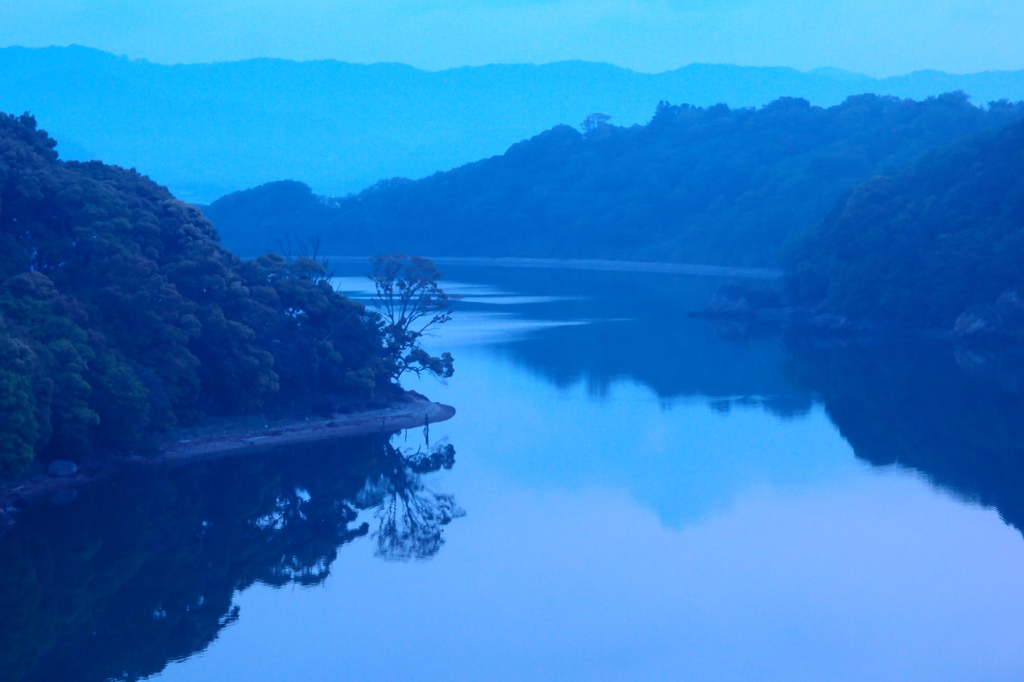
(208, 129)
(702, 185)
(938, 244)
(121, 315)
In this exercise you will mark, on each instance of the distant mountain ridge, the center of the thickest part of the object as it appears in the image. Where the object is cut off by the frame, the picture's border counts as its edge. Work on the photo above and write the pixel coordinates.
(208, 129)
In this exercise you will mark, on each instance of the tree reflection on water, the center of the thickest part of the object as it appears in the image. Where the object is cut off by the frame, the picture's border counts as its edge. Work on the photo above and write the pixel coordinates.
(143, 569)
(954, 414)
(411, 517)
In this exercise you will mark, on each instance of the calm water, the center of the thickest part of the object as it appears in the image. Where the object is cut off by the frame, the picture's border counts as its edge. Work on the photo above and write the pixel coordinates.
(624, 494)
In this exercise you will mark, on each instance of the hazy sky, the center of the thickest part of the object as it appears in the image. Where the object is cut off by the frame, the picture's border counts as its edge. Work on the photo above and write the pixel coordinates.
(877, 37)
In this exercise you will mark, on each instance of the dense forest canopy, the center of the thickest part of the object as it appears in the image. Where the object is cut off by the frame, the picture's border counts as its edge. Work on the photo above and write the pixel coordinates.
(121, 315)
(926, 244)
(707, 185)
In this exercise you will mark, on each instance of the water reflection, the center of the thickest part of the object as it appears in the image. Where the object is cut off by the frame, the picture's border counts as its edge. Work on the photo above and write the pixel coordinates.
(954, 414)
(143, 570)
(411, 518)
(636, 326)
(728, 536)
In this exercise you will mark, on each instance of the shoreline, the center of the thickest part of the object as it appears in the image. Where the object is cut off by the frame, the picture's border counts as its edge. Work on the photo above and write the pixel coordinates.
(814, 323)
(600, 264)
(411, 410)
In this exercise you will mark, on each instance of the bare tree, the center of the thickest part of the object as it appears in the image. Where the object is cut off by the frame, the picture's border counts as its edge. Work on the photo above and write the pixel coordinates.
(410, 302)
(305, 258)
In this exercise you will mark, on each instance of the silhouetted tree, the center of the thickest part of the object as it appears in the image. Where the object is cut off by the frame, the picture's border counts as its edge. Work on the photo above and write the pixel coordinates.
(410, 302)
(595, 121)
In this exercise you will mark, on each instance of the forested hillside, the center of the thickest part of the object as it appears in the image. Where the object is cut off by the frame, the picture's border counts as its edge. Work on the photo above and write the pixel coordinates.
(121, 315)
(918, 248)
(702, 185)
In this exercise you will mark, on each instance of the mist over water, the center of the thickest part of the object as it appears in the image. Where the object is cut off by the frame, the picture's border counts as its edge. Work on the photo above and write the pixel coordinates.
(626, 493)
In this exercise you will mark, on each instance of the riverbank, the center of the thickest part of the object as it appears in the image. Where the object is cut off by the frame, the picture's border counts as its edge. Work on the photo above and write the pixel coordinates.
(411, 410)
(756, 306)
(594, 264)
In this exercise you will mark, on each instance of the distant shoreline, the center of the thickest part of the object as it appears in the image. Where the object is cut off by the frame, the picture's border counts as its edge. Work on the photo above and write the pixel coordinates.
(594, 264)
(410, 411)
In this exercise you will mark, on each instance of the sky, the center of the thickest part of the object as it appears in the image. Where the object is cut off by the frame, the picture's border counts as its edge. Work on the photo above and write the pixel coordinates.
(876, 37)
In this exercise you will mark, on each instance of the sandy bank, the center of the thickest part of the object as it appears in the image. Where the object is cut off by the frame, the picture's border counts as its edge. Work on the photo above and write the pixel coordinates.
(416, 412)
(412, 411)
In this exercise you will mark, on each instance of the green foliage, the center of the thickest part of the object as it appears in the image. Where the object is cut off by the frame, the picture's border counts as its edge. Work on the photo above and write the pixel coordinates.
(124, 316)
(699, 185)
(122, 400)
(19, 423)
(921, 246)
(322, 342)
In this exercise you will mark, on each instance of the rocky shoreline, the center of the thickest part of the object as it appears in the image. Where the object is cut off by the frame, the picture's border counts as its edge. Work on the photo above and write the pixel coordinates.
(1001, 322)
(411, 410)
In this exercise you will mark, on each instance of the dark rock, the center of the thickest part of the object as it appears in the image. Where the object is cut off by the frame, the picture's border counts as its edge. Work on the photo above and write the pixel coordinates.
(972, 324)
(748, 301)
(1004, 317)
(725, 305)
(60, 468)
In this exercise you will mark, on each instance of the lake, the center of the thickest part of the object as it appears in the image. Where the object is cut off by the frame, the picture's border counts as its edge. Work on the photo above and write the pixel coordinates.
(626, 493)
